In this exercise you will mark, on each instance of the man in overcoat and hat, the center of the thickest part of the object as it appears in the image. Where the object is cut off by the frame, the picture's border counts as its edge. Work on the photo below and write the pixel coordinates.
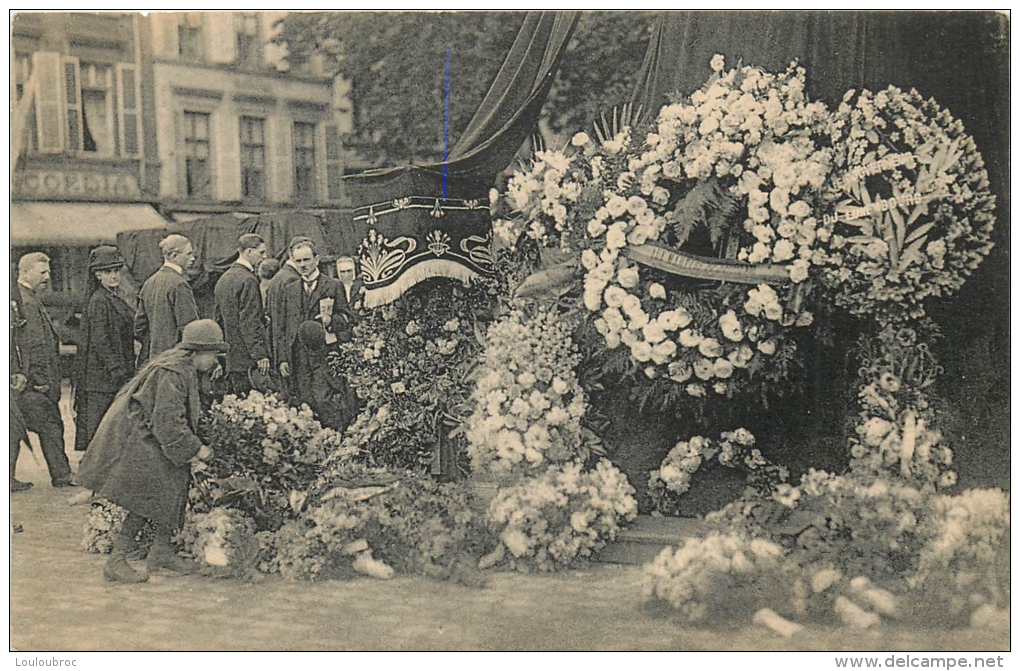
(140, 456)
(240, 313)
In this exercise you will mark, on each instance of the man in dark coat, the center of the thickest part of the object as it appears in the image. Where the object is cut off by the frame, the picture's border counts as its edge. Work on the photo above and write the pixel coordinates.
(18, 430)
(139, 457)
(240, 313)
(106, 353)
(40, 374)
(274, 290)
(316, 297)
(166, 303)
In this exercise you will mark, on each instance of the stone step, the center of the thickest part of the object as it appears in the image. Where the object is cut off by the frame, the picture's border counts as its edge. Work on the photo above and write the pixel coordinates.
(642, 540)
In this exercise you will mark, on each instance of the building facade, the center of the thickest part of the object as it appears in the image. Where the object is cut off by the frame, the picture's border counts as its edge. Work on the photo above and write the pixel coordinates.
(124, 122)
(190, 113)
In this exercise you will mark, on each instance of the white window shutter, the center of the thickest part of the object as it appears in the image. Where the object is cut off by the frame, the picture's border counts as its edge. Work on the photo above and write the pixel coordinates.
(128, 110)
(49, 105)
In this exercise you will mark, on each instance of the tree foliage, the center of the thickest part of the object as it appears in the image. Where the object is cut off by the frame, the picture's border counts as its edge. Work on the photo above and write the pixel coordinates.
(396, 63)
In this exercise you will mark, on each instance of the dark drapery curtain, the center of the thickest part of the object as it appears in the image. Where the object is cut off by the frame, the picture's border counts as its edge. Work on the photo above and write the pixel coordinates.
(433, 220)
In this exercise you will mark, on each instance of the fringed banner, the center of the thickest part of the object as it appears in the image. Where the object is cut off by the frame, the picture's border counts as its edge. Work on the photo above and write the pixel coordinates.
(413, 238)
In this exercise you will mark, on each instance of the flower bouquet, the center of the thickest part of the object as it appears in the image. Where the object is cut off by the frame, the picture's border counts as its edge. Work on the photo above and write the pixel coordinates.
(549, 521)
(528, 403)
(224, 541)
(719, 578)
(263, 450)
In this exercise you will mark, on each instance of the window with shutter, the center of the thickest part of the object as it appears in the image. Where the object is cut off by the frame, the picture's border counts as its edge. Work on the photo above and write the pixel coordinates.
(72, 102)
(49, 110)
(128, 109)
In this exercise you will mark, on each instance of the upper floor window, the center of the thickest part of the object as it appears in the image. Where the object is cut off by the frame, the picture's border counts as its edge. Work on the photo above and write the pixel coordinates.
(197, 174)
(189, 37)
(249, 48)
(304, 162)
(88, 108)
(253, 157)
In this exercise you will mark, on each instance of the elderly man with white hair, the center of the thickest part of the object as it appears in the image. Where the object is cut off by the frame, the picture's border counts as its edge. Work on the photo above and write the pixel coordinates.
(36, 379)
(166, 303)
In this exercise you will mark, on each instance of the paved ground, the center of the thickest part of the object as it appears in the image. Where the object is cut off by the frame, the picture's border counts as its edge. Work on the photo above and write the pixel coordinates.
(59, 601)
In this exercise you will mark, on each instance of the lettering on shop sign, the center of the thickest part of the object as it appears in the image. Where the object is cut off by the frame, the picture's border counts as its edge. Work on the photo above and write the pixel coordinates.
(82, 184)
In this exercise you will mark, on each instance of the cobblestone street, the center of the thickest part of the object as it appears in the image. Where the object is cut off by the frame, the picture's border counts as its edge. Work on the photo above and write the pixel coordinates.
(59, 601)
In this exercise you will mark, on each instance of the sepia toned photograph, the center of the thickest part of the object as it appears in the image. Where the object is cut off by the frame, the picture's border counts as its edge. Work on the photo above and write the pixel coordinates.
(503, 331)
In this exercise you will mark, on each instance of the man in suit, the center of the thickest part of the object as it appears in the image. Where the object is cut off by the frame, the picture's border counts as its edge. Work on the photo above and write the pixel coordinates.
(39, 376)
(166, 303)
(241, 315)
(315, 297)
(288, 273)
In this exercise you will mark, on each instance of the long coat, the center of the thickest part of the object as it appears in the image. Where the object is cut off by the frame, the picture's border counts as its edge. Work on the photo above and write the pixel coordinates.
(106, 360)
(240, 313)
(139, 456)
(274, 311)
(40, 346)
(166, 304)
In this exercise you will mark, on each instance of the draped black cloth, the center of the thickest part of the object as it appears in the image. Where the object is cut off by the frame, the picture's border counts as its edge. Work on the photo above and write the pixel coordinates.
(415, 222)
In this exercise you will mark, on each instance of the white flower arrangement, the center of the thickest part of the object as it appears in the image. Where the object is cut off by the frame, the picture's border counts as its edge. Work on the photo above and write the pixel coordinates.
(911, 210)
(550, 520)
(718, 577)
(224, 539)
(734, 449)
(528, 402)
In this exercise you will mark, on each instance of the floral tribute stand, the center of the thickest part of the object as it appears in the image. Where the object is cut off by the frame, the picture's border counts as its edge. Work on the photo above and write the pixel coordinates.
(705, 240)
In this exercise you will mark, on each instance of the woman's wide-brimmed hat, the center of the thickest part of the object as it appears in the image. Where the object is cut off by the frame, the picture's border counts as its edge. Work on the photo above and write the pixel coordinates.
(105, 257)
(203, 335)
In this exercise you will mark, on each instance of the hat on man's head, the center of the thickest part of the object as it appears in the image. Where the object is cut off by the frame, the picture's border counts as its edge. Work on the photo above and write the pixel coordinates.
(105, 257)
(203, 335)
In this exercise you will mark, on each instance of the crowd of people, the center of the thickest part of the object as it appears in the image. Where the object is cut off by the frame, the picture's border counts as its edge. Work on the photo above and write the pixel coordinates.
(145, 363)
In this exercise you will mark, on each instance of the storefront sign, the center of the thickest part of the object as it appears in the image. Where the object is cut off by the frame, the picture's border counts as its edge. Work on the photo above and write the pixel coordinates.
(77, 184)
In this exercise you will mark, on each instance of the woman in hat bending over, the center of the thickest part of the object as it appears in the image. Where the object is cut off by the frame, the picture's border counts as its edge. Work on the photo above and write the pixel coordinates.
(139, 457)
(106, 353)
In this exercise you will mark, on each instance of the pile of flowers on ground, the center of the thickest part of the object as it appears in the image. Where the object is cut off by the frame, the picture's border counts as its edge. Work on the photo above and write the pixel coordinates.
(409, 362)
(105, 520)
(408, 524)
(528, 403)
(566, 513)
(718, 578)
(223, 539)
(735, 449)
(263, 451)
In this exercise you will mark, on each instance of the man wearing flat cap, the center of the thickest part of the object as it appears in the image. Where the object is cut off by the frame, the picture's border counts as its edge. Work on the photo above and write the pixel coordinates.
(141, 453)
